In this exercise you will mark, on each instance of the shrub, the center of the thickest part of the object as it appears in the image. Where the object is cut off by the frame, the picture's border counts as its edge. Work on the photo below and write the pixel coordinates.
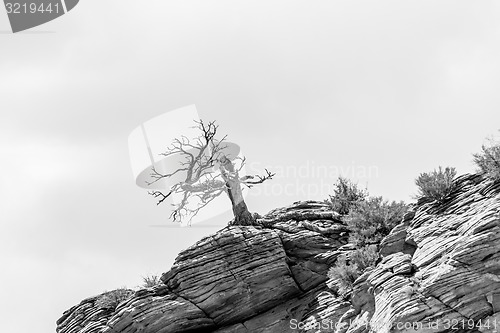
(343, 276)
(346, 195)
(373, 219)
(111, 299)
(488, 160)
(364, 257)
(345, 272)
(150, 281)
(437, 184)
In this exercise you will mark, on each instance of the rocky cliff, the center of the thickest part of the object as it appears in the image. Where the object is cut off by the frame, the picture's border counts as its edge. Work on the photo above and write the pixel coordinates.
(439, 272)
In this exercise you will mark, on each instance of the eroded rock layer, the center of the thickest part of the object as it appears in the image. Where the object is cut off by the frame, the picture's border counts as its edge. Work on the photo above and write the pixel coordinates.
(439, 272)
(241, 279)
(441, 268)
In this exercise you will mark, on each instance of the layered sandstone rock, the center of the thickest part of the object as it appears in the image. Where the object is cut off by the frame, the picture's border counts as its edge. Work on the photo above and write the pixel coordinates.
(439, 272)
(441, 268)
(241, 279)
(92, 314)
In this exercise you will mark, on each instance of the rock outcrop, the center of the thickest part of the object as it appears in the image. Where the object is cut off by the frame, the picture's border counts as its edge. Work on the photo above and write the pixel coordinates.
(439, 272)
(241, 279)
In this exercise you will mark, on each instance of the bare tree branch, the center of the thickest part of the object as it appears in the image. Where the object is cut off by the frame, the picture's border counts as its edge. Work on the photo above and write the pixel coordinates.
(159, 194)
(260, 179)
(157, 176)
(201, 184)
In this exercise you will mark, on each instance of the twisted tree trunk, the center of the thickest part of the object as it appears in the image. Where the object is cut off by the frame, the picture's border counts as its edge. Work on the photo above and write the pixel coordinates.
(241, 214)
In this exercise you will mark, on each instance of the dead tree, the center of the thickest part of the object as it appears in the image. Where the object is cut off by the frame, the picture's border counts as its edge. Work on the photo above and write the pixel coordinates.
(201, 184)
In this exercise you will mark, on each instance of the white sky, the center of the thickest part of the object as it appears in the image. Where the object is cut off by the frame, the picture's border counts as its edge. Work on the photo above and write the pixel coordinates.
(395, 87)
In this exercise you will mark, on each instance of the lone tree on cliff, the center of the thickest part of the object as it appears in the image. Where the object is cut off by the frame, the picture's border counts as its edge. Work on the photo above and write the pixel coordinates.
(200, 184)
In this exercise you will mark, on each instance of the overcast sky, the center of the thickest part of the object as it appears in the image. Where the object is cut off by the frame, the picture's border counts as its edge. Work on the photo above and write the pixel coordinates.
(377, 90)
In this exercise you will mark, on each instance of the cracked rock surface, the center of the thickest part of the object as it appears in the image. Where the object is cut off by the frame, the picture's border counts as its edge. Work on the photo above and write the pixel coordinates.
(240, 279)
(439, 272)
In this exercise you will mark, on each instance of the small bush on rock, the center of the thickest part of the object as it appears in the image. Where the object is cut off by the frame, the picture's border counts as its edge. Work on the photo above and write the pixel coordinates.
(372, 219)
(347, 270)
(488, 160)
(343, 275)
(364, 257)
(111, 299)
(346, 195)
(436, 185)
(150, 281)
